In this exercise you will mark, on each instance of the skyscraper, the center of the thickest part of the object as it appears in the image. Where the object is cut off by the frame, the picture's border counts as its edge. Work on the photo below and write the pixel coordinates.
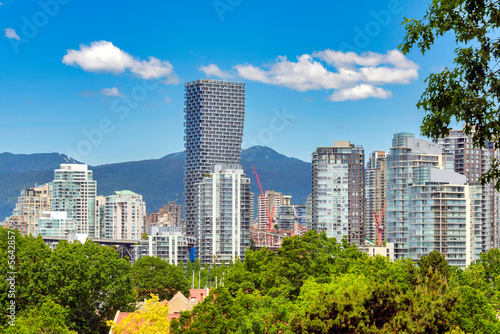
(473, 162)
(223, 214)
(375, 181)
(407, 154)
(214, 115)
(74, 191)
(338, 184)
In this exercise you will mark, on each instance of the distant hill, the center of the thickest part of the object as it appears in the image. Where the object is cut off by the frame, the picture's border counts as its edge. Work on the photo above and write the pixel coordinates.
(18, 163)
(158, 180)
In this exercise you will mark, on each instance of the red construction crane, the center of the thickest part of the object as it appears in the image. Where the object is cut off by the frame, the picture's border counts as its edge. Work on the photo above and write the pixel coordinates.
(378, 225)
(269, 216)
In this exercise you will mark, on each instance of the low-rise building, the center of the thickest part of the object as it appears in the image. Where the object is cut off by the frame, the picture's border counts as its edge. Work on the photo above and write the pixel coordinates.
(167, 243)
(55, 224)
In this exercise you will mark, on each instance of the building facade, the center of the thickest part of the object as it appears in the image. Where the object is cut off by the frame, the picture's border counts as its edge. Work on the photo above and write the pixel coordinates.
(125, 216)
(224, 213)
(168, 215)
(406, 155)
(271, 201)
(338, 185)
(214, 116)
(375, 182)
(55, 224)
(444, 214)
(473, 162)
(74, 192)
(167, 243)
(30, 206)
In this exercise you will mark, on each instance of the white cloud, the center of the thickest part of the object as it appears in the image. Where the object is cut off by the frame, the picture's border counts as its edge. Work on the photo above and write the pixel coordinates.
(214, 70)
(166, 99)
(1, 3)
(352, 75)
(103, 56)
(11, 33)
(111, 92)
(360, 92)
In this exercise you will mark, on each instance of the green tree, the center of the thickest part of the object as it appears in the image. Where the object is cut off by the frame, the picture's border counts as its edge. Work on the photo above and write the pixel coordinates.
(153, 275)
(92, 282)
(473, 313)
(47, 318)
(469, 92)
(434, 261)
(217, 314)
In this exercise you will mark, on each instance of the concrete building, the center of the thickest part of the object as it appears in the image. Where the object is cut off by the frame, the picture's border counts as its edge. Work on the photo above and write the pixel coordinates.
(74, 192)
(375, 183)
(214, 115)
(125, 216)
(338, 191)
(100, 216)
(309, 212)
(30, 206)
(166, 242)
(55, 224)
(372, 251)
(168, 215)
(300, 211)
(473, 162)
(286, 217)
(406, 155)
(444, 214)
(224, 213)
(273, 200)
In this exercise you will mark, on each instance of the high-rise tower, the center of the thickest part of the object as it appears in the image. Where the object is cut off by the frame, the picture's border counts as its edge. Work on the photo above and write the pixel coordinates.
(223, 214)
(214, 115)
(473, 162)
(407, 155)
(74, 191)
(338, 191)
(375, 182)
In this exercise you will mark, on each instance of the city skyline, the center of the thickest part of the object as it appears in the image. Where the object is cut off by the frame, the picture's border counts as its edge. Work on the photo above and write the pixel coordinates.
(96, 114)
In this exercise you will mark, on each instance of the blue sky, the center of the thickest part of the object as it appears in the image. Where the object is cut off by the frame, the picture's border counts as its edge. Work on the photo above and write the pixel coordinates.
(102, 81)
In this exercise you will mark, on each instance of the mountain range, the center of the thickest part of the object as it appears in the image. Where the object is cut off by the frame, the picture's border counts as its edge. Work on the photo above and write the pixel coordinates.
(157, 180)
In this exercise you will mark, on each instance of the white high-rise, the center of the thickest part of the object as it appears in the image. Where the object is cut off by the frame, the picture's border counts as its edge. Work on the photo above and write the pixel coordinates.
(407, 155)
(214, 115)
(223, 214)
(125, 216)
(74, 192)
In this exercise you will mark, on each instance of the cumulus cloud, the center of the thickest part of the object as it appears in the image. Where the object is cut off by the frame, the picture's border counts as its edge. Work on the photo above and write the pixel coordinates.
(11, 33)
(103, 56)
(111, 92)
(360, 92)
(352, 76)
(214, 70)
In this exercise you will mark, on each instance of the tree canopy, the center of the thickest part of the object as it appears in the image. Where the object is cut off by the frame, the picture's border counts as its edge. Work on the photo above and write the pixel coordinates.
(470, 92)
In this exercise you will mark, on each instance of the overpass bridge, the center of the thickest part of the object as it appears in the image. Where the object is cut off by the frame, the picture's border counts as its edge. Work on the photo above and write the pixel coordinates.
(122, 246)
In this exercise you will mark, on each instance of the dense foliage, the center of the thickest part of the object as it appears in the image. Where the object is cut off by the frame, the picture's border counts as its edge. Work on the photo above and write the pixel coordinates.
(74, 287)
(315, 285)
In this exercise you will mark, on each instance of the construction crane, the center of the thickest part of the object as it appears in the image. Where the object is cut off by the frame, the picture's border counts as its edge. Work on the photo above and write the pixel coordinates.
(378, 225)
(269, 215)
